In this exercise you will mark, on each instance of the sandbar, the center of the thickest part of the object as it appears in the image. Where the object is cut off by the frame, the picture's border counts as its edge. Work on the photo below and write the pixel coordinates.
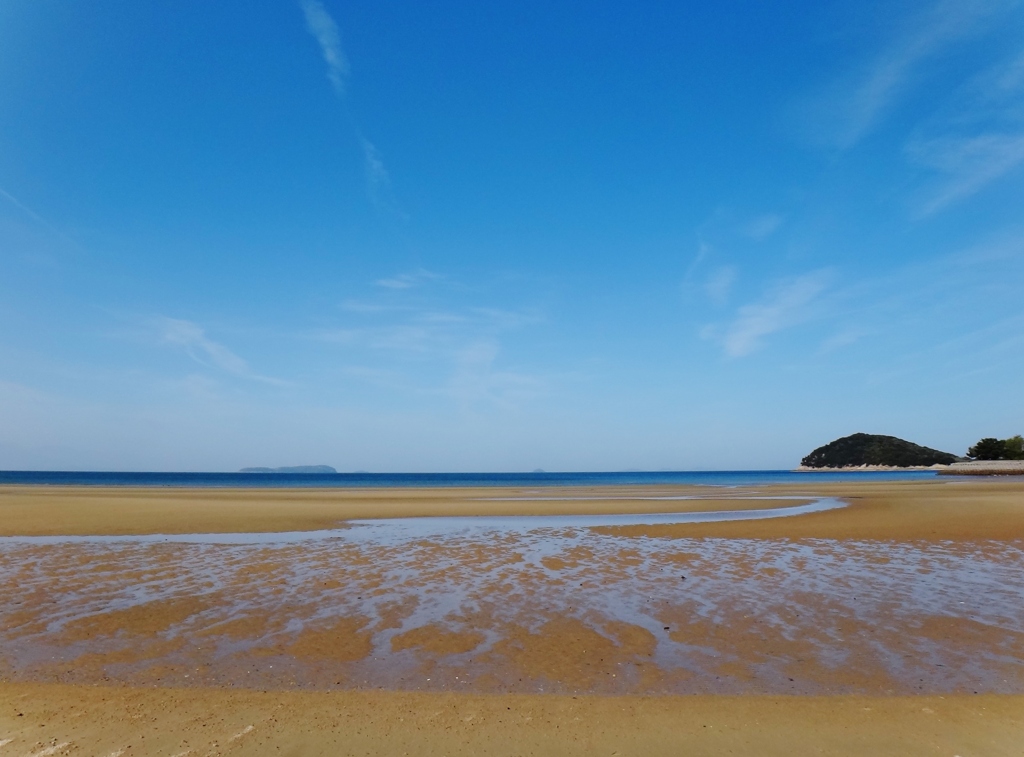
(945, 508)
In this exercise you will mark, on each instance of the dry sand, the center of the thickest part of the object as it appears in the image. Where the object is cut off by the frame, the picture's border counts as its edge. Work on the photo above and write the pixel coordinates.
(48, 720)
(39, 510)
(954, 523)
(931, 509)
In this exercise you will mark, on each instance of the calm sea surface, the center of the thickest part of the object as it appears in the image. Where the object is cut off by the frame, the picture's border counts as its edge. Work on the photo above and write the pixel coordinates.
(344, 480)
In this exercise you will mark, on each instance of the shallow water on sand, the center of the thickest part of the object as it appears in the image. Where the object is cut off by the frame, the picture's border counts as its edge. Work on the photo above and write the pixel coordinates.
(391, 530)
(515, 604)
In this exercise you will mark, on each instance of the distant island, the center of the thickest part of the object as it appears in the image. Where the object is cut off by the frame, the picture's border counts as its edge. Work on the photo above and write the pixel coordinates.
(292, 469)
(875, 450)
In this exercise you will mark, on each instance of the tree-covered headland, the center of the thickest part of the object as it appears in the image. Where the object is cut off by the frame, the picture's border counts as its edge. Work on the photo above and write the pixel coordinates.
(875, 449)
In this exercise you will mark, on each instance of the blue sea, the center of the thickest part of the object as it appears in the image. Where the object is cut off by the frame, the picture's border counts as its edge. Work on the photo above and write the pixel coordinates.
(350, 480)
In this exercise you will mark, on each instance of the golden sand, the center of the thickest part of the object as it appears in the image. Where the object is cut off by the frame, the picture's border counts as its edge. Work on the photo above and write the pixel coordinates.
(930, 509)
(141, 654)
(54, 719)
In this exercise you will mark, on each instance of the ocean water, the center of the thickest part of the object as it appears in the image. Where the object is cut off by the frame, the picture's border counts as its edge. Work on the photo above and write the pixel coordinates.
(351, 480)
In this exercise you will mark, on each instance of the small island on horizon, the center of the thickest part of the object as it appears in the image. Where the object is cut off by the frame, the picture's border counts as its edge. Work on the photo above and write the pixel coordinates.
(292, 469)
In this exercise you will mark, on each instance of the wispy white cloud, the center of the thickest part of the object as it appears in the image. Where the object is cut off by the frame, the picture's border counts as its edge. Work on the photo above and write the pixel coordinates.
(378, 182)
(411, 344)
(854, 107)
(38, 219)
(719, 284)
(843, 338)
(968, 163)
(724, 234)
(763, 226)
(785, 305)
(975, 139)
(192, 338)
(1011, 77)
(424, 332)
(408, 280)
(377, 178)
(322, 26)
(908, 310)
(1006, 246)
(476, 379)
(325, 31)
(704, 251)
(506, 319)
(22, 207)
(440, 316)
(360, 306)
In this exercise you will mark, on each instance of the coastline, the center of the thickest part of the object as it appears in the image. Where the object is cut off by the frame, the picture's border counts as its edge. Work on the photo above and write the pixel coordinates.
(144, 678)
(968, 468)
(985, 468)
(410, 481)
(871, 468)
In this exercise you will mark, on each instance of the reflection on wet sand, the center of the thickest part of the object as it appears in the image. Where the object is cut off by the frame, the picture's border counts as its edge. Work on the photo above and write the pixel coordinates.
(553, 606)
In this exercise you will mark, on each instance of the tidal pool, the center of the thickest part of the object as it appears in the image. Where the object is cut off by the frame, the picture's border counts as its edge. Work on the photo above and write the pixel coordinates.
(516, 604)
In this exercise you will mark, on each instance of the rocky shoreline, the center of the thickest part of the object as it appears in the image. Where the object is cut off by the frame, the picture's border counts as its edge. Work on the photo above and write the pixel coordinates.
(848, 468)
(985, 468)
(971, 468)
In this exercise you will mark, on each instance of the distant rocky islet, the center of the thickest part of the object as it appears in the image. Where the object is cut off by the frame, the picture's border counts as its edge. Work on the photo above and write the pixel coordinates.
(292, 469)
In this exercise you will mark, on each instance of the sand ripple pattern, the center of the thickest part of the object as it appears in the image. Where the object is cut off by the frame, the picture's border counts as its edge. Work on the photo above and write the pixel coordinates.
(556, 610)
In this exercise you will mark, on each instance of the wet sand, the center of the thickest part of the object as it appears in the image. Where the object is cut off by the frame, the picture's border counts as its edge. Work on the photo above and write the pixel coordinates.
(892, 626)
(548, 610)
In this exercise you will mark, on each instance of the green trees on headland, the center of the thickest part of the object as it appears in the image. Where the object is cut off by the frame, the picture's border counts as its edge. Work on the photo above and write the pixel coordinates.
(874, 449)
(859, 450)
(991, 448)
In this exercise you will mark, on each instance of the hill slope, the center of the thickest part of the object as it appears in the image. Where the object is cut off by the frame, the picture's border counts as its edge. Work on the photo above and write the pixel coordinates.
(874, 449)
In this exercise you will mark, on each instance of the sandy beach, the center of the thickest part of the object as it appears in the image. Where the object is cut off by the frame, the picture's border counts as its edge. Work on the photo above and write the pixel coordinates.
(126, 721)
(930, 509)
(893, 625)
(502, 378)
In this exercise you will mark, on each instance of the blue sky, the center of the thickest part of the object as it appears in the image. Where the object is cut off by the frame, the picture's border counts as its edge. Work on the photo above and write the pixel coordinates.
(398, 236)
